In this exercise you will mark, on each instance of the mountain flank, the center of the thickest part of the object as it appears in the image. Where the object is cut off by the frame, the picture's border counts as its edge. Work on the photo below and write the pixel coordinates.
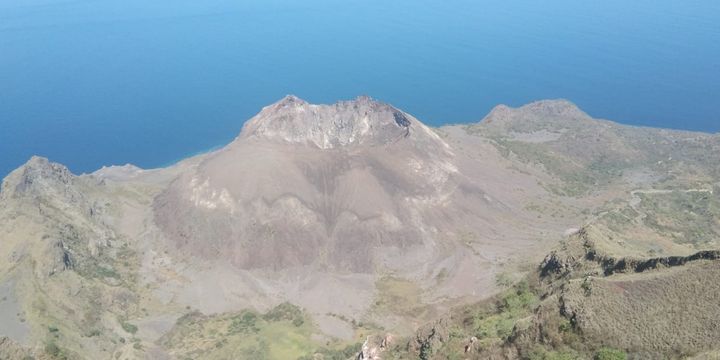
(329, 231)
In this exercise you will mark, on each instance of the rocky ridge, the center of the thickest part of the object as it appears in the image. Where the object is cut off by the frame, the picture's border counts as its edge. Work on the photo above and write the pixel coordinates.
(362, 121)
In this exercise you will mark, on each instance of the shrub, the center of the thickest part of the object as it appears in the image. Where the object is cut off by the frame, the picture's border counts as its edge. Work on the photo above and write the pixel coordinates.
(93, 332)
(587, 286)
(246, 322)
(286, 312)
(519, 299)
(52, 349)
(565, 325)
(298, 322)
(100, 272)
(610, 354)
(130, 328)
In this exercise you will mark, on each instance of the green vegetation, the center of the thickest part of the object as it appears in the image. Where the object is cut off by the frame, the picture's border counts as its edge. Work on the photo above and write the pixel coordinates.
(106, 272)
(503, 280)
(500, 325)
(610, 354)
(578, 175)
(243, 323)
(512, 306)
(93, 333)
(259, 351)
(398, 296)
(687, 216)
(286, 311)
(586, 285)
(619, 221)
(334, 354)
(130, 328)
(284, 332)
(655, 222)
(491, 322)
(54, 351)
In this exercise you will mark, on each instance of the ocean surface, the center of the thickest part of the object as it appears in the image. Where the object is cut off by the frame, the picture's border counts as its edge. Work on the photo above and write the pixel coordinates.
(97, 82)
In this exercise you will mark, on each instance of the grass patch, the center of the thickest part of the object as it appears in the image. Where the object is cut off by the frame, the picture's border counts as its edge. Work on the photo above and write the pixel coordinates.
(610, 354)
(54, 351)
(515, 304)
(284, 332)
(688, 217)
(398, 296)
(344, 353)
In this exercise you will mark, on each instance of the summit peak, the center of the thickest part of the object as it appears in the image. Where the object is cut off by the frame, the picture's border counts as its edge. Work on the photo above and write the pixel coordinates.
(37, 175)
(290, 100)
(550, 115)
(360, 121)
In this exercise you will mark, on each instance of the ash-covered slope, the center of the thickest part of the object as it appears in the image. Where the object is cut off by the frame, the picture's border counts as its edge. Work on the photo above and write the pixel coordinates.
(353, 187)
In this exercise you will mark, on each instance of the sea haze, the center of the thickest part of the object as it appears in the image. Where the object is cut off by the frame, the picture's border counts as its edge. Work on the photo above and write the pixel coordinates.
(89, 83)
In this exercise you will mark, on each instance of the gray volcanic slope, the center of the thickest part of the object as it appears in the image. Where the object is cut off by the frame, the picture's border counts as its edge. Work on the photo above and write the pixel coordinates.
(350, 187)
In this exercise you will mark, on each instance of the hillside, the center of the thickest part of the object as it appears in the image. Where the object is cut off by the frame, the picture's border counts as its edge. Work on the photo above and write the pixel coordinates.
(581, 303)
(324, 231)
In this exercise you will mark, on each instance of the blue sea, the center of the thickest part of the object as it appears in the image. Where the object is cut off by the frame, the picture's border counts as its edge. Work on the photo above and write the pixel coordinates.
(97, 82)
